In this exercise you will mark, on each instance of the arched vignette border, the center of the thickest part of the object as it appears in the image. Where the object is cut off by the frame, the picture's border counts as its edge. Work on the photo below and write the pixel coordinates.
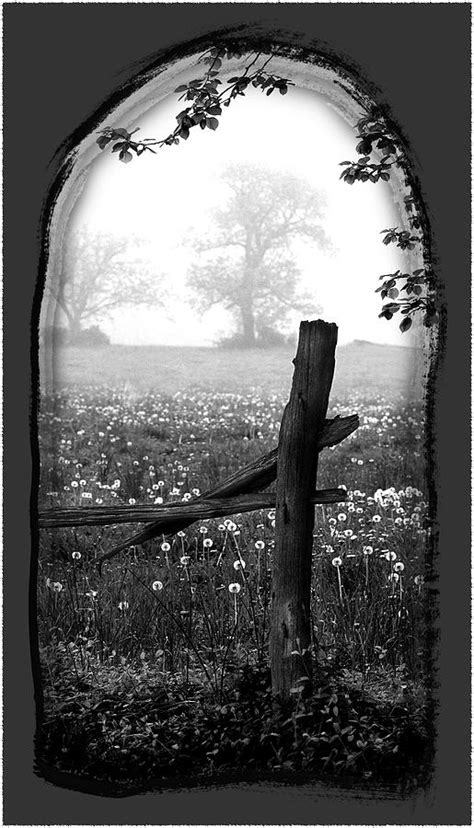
(366, 94)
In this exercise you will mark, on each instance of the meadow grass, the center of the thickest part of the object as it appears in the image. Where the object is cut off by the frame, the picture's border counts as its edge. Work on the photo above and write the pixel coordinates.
(360, 365)
(184, 618)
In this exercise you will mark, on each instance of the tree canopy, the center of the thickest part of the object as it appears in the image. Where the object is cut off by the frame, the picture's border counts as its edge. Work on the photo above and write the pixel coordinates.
(246, 263)
(97, 276)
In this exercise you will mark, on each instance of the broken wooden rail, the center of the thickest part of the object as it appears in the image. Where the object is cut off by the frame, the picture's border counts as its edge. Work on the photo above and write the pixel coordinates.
(190, 511)
(172, 517)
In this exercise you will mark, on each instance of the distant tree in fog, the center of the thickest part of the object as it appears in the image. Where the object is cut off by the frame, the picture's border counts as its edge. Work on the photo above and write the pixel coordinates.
(247, 264)
(97, 276)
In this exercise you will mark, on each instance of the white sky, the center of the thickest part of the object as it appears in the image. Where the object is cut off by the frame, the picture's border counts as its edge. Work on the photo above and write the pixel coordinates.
(160, 197)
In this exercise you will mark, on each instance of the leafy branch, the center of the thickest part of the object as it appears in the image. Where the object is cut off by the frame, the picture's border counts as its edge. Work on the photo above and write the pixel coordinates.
(206, 102)
(418, 288)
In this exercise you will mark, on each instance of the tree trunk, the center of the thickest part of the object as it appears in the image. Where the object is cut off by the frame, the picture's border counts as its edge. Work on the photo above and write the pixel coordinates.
(248, 327)
(74, 327)
(302, 422)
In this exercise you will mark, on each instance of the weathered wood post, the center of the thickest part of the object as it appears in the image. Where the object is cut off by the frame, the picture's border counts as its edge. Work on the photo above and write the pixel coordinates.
(301, 424)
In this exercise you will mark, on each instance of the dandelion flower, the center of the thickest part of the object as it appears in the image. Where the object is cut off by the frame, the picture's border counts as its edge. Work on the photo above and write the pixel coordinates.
(342, 517)
(207, 543)
(74, 484)
(161, 483)
(367, 550)
(399, 567)
(165, 546)
(157, 586)
(376, 519)
(158, 501)
(76, 556)
(57, 586)
(348, 533)
(234, 588)
(393, 577)
(388, 555)
(184, 560)
(132, 501)
(230, 525)
(239, 564)
(337, 562)
(259, 544)
(123, 605)
(180, 534)
(203, 530)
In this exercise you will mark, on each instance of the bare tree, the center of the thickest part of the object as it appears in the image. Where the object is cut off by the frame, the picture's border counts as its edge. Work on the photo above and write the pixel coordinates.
(98, 275)
(247, 264)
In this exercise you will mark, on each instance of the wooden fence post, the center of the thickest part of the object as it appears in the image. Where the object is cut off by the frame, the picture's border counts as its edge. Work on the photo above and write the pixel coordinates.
(302, 421)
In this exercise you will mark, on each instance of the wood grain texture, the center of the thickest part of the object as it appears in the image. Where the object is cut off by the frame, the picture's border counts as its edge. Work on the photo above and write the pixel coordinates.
(189, 511)
(299, 441)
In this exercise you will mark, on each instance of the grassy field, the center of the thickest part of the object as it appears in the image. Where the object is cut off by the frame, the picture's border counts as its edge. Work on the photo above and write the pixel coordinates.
(156, 671)
(360, 366)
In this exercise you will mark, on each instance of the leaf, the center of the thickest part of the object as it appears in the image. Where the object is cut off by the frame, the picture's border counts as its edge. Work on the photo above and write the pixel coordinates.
(181, 88)
(405, 324)
(121, 133)
(283, 89)
(121, 145)
(212, 123)
(126, 156)
(364, 147)
(393, 293)
(103, 141)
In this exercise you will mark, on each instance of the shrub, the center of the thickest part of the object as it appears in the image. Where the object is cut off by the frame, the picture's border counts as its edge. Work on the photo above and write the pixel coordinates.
(91, 337)
(269, 338)
(235, 341)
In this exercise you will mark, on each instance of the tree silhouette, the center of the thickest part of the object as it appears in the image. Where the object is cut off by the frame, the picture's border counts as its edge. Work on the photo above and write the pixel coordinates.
(97, 275)
(246, 264)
